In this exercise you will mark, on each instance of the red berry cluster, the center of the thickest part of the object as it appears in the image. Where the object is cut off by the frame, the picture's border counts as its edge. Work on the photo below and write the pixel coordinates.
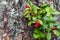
(37, 24)
(54, 28)
(26, 6)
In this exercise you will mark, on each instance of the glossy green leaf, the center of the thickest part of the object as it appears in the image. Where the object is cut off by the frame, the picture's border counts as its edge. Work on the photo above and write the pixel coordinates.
(44, 5)
(39, 17)
(51, 25)
(34, 21)
(27, 16)
(36, 31)
(56, 32)
(58, 27)
(45, 26)
(42, 35)
(48, 11)
(29, 23)
(56, 12)
(46, 18)
(41, 22)
(56, 23)
(48, 36)
(29, 2)
(34, 18)
(36, 35)
(54, 18)
(34, 9)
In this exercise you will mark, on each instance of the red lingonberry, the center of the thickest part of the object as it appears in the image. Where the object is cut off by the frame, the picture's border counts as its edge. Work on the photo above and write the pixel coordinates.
(54, 28)
(37, 24)
(27, 6)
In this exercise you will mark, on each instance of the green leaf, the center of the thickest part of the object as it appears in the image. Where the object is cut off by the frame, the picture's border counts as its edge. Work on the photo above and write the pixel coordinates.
(51, 25)
(56, 12)
(56, 32)
(29, 2)
(41, 22)
(42, 35)
(53, 10)
(40, 11)
(38, 16)
(48, 11)
(34, 8)
(48, 36)
(58, 27)
(56, 23)
(46, 18)
(44, 6)
(29, 23)
(51, 6)
(55, 18)
(45, 26)
(34, 19)
(36, 31)
(27, 16)
(36, 35)
(35, 11)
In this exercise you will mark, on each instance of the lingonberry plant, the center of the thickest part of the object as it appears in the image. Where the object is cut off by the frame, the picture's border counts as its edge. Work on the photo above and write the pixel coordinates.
(44, 19)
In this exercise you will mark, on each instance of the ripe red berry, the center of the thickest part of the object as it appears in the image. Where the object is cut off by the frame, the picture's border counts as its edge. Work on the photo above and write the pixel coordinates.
(37, 24)
(27, 6)
(54, 28)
